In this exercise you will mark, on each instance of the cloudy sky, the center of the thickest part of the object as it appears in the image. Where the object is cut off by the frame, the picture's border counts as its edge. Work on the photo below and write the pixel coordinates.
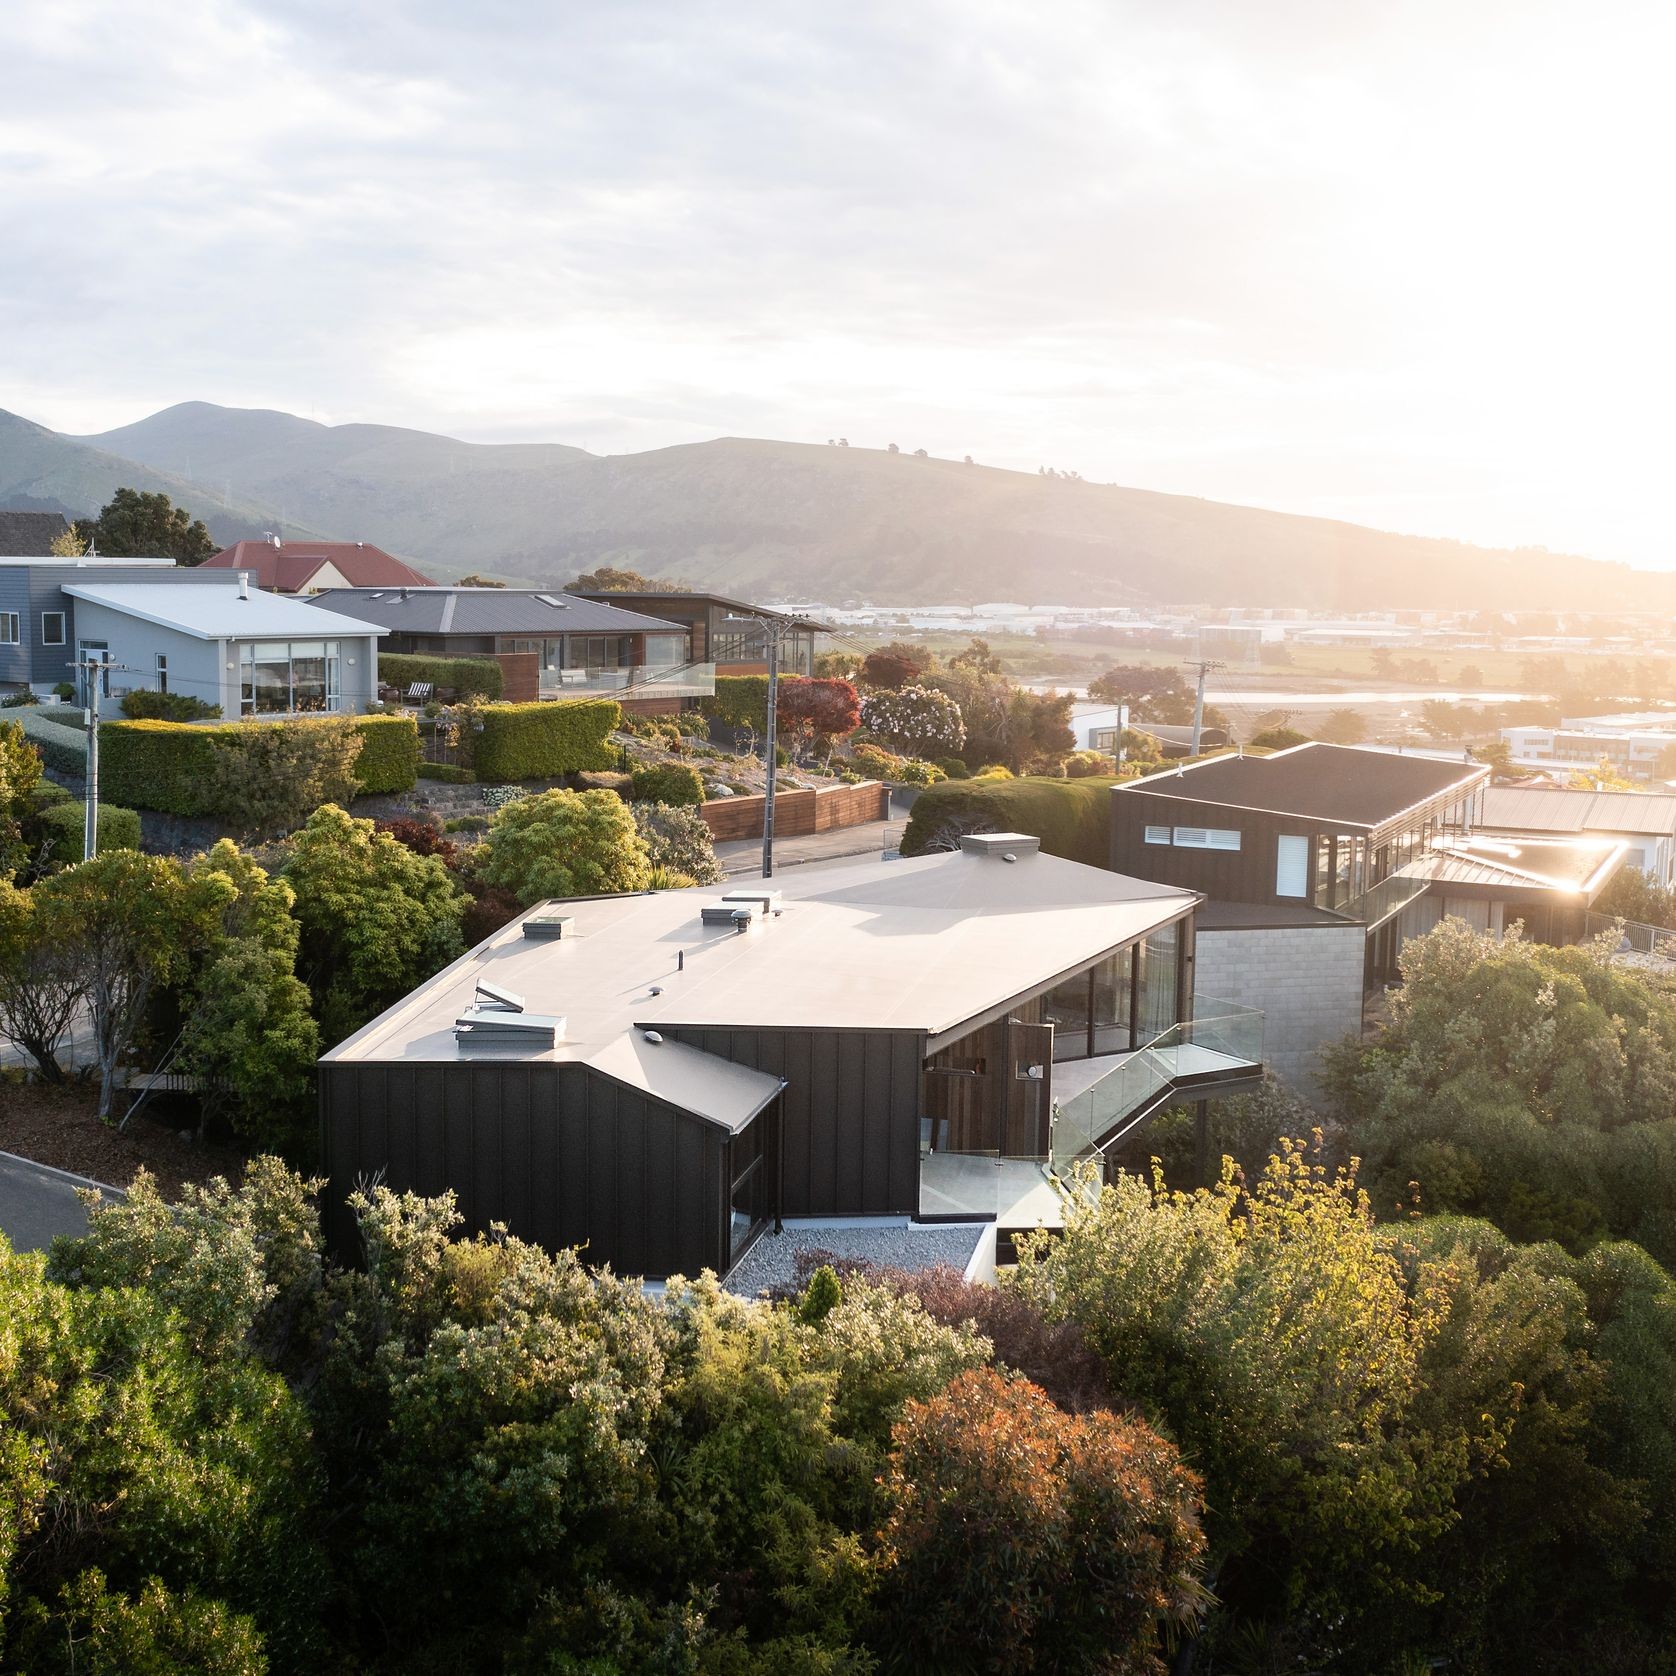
(1408, 264)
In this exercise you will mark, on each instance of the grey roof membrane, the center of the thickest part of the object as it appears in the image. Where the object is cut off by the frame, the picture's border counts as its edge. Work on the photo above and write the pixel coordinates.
(485, 611)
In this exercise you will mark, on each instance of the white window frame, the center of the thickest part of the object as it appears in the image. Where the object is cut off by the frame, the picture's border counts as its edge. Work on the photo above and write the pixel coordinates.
(1158, 835)
(11, 629)
(1207, 838)
(63, 628)
(162, 672)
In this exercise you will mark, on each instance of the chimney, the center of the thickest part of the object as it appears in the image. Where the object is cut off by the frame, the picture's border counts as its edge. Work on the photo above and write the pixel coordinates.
(244, 584)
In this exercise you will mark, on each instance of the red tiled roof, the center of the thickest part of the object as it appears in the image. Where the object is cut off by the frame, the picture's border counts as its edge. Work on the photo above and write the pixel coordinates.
(288, 569)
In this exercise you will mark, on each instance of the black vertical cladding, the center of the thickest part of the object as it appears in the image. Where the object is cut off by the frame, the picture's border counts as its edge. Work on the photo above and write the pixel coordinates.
(851, 1113)
(561, 1156)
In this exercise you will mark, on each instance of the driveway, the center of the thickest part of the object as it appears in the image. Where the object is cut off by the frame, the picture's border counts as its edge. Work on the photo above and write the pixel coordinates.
(37, 1202)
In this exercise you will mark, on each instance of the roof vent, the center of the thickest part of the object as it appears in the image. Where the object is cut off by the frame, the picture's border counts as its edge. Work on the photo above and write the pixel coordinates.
(1010, 845)
(768, 900)
(549, 927)
(488, 1027)
(740, 915)
(244, 584)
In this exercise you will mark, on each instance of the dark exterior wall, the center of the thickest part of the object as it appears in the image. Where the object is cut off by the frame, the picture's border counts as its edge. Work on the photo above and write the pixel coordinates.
(1243, 875)
(851, 1113)
(563, 1157)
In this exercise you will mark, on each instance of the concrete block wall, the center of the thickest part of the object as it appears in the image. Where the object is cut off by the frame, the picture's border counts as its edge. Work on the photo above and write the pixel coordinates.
(1306, 980)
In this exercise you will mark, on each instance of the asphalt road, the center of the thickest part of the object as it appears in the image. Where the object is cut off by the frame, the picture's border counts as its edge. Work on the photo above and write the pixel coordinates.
(37, 1203)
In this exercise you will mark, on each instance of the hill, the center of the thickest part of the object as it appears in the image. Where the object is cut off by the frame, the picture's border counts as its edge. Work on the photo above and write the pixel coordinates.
(778, 519)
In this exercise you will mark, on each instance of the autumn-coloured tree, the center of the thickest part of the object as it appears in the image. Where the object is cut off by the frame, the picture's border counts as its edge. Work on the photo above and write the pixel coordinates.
(895, 665)
(821, 709)
(1090, 1539)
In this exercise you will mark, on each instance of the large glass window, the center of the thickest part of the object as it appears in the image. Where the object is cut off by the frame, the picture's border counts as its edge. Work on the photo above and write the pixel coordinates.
(287, 677)
(1066, 1008)
(1160, 956)
(8, 628)
(746, 1201)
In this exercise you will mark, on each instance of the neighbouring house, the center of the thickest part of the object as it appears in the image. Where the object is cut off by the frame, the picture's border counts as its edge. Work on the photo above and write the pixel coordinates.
(311, 567)
(665, 1077)
(1644, 822)
(727, 632)
(251, 653)
(1634, 743)
(1176, 740)
(1098, 727)
(1320, 861)
(40, 620)
(565, 646)
(24, 534)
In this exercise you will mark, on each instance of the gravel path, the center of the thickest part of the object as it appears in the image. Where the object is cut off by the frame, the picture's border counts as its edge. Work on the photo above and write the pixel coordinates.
(772, 1261)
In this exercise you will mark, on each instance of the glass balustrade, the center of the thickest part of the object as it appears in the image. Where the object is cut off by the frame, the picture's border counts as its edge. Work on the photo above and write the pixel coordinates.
(688, 680)
(1096, 1097)
(1387, 898)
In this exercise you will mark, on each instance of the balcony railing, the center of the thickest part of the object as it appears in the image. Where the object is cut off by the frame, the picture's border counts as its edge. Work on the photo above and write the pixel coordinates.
(1118, 1091)
(1385, 900)
(686, 680)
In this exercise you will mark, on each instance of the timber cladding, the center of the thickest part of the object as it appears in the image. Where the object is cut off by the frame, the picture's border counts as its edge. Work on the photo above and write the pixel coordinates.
(798, 813)
(520, 674)
(562, 1156)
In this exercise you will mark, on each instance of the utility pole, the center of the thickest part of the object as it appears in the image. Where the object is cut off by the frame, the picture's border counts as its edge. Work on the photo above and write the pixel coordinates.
(1204, 666)
(92, 672)
(771, 750)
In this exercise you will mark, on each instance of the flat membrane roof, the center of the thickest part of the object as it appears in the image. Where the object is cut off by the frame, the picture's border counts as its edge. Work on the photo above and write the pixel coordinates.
(922, 943)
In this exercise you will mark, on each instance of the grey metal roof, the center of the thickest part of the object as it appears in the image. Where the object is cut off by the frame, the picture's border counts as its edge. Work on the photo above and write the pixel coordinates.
(921, 944)
(1338, 784)
(485, 611)
(649, 602)
(218, 612)
(1538, 809)
(1575, 867)
(26, 533)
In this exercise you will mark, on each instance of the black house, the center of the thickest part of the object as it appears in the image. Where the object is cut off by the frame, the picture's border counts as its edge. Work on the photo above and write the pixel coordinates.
(662, 1077)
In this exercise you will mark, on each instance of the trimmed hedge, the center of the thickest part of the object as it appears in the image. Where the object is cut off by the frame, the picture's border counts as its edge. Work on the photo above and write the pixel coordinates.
(1071, 817)
(144, 705)
(673, 783)
(467, 676)
(739, 700)
(541, 741)
(451, 773)
(389, 759)
(65, 828)
(166, 765)
(62, 748)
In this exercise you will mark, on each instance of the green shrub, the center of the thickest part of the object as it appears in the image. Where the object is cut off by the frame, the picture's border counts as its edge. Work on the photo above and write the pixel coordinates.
(954, 767)
(451, 773)
(65, 690)
(606, 779)
(666, 782)
(142, 705)
(739, 700)
(389, 759)
(915, 773)
(541, 741)
(678, 839)
(1086, 765)
(62, 748)
(1071, 817)
(877, 761)
(169, 766)
(19, 700)
(64, 828)
(465, 676)
(467, 823)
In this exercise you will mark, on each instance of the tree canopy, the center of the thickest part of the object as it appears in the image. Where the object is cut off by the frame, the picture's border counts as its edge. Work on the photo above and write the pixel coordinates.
(135, 523)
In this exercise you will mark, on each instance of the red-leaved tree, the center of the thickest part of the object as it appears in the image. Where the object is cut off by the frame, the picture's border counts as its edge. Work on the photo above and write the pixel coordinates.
(819, 709)
(1024, 1538)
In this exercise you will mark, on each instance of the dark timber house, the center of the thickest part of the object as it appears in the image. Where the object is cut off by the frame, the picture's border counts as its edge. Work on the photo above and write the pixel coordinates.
(1322, 860)
(720, 633)
(664, 1077)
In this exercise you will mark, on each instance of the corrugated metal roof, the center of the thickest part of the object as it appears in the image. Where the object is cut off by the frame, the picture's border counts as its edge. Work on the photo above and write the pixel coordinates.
(649, 602)
(216, 612)
(1538, 809)
(485, 611)
(290, 565)
(1338, 784)
(924, 943)
(1575, 868)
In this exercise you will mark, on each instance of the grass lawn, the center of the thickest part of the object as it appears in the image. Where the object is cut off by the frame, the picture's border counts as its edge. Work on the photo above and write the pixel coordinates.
(60, 1127)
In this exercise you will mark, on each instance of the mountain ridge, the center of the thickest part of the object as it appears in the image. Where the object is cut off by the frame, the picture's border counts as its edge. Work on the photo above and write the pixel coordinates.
(778, 518)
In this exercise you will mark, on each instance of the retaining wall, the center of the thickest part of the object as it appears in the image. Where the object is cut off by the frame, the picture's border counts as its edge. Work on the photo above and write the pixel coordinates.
(798, 813)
